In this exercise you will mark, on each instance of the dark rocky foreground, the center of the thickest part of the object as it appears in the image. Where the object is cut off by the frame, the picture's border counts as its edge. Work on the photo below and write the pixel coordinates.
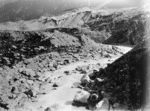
(125, 81)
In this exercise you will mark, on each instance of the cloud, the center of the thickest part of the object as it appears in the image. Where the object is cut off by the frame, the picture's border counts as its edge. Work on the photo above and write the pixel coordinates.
(122, 3)
(95, 3)
(104, 3)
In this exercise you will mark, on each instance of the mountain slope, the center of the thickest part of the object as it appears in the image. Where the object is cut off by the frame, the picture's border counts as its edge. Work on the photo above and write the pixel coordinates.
(18, 45)
(126, 80)
(25, 56)
(30, 48)
(125, 26)
(32, 9)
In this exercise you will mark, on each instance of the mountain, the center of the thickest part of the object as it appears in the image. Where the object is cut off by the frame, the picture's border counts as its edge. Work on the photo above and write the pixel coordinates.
(14, 10)
(57, 36)
(4, 2)
(32, 9)
(128, 26)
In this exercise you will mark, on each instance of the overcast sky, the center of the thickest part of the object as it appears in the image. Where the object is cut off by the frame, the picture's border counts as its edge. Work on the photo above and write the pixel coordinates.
(98, 3)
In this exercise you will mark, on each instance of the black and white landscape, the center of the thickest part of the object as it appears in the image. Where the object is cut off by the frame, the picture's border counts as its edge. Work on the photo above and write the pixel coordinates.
(61, 55)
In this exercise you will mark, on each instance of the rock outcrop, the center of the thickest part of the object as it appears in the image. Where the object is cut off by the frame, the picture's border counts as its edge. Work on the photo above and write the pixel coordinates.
(126, 80)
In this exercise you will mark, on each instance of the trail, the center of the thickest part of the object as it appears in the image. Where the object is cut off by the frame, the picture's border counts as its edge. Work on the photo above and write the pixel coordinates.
(60, 98)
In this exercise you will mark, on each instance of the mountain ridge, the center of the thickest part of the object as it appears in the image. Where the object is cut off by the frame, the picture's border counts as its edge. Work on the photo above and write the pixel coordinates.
(102, 26)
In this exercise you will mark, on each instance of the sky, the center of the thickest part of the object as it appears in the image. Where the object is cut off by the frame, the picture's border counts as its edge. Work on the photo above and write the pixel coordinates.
(118, 3)
(97, 3)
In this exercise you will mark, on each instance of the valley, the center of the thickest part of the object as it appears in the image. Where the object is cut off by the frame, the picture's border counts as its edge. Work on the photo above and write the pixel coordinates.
(78, 60)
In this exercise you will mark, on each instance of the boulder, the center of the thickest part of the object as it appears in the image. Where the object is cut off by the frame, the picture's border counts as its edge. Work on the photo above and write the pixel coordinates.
(54, 107)
(66, 61)
(82, 69)
(81, 98)
(48, 109)
(85, 79)
(56, 85)
(67, 72)
(30, 93)
(27, 72)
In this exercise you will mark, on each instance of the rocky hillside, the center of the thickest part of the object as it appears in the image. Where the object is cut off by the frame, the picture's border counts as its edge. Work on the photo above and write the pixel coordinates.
(30, 48)
(125, 81)
(17, 45)
(25, 56)
(121, 27)
(111, 27)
